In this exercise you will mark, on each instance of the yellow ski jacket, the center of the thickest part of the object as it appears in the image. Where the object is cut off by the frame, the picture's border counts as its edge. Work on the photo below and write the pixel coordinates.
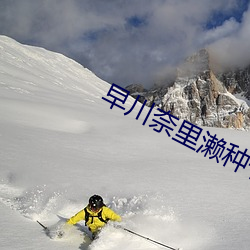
(94, 223)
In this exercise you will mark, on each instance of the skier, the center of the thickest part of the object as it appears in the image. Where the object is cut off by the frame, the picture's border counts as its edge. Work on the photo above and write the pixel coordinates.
(95, 214)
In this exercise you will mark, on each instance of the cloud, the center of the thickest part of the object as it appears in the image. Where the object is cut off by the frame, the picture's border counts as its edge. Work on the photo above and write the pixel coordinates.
(228, 28)
(232, 50)
(125, 41)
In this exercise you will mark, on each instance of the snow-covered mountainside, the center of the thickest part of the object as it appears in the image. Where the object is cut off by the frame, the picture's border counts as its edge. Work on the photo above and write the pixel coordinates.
(237, 81)
(203, 97)
(60, 143)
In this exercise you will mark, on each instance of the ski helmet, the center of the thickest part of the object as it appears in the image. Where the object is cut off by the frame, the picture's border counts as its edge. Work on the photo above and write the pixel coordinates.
(95, 202)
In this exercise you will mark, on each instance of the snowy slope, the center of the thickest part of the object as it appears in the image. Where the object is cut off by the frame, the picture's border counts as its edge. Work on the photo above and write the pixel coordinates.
(60, 143)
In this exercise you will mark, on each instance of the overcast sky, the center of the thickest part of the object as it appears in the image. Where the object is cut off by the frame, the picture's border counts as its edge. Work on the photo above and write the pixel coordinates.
(131, 41)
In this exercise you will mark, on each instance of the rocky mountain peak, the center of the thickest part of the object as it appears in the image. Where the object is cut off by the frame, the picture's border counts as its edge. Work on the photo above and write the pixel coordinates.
(203, 97)
(197, 64)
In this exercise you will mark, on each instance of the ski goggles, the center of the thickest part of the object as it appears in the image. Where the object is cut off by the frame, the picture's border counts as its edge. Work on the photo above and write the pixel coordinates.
(94, 208)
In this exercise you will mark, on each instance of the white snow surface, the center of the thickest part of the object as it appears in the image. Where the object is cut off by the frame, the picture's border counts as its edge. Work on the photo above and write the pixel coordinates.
(60, 143)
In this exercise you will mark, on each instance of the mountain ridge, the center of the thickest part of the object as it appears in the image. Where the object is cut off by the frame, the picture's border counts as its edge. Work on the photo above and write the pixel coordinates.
(202, 95)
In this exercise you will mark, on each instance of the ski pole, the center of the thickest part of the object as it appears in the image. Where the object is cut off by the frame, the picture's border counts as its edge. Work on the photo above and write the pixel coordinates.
(45, 228)
(146, 238)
